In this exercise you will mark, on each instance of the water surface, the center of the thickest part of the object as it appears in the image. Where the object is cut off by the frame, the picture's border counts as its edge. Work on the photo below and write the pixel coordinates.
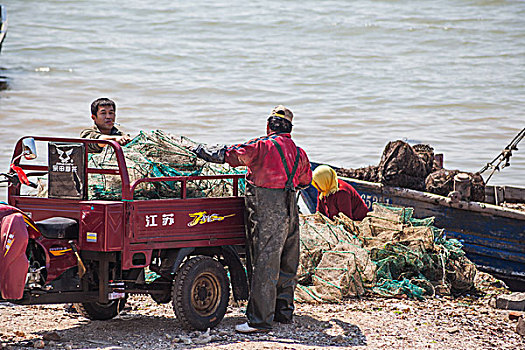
(357, 74)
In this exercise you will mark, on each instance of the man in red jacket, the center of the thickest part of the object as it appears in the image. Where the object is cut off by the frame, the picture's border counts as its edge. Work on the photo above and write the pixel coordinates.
(276, 168)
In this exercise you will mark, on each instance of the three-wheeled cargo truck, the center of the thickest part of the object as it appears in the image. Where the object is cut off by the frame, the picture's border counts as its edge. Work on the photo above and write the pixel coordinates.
(64, 248)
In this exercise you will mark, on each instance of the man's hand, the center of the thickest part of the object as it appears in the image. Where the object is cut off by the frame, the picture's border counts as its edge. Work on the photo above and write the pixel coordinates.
(213, 154)
(123, 140)
(195, 148)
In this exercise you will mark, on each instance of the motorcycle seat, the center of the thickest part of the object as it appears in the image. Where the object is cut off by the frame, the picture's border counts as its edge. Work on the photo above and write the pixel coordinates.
(58, 228)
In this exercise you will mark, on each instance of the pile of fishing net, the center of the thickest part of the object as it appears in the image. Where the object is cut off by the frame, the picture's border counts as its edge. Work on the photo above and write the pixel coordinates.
(415, 167)
(158, 154)
(389, 253)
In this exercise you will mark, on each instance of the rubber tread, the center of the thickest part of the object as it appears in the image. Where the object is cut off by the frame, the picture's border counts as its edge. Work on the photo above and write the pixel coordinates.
(178, 289)
(84, 310)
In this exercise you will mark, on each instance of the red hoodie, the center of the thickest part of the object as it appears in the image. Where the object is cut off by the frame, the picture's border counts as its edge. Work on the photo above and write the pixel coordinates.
(346, 200)
(265, 167)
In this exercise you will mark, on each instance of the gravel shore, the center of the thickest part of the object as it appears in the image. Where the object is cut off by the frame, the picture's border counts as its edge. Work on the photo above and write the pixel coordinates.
(369, 323)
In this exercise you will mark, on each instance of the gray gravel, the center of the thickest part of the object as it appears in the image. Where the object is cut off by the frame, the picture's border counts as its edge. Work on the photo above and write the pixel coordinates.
(369, 323)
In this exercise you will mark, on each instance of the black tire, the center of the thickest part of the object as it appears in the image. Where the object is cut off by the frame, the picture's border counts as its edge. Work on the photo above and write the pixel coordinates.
(165, 296)
(98, 311)
(201, 291)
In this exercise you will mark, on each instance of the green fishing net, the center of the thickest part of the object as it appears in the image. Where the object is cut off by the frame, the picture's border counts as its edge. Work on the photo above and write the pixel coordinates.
(159, 154)
(389, 253)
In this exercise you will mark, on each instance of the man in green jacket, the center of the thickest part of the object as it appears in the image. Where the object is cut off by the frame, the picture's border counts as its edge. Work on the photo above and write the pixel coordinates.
(103, 113)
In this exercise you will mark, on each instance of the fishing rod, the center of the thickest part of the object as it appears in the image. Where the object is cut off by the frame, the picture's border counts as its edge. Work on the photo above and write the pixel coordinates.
(503, 156)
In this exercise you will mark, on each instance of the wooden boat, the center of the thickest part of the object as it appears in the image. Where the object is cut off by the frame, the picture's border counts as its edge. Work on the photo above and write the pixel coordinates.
(3, 25)
(493, 236)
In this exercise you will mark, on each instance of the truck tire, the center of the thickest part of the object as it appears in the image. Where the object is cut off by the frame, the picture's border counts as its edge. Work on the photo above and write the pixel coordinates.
(165, 296)
(201, 292)
(98, 311)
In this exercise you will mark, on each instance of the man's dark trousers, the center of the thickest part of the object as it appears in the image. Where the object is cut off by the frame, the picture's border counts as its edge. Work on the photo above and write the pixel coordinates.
(272, 232)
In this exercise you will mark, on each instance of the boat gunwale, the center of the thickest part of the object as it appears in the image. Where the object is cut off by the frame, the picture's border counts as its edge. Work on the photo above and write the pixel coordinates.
(432, 198)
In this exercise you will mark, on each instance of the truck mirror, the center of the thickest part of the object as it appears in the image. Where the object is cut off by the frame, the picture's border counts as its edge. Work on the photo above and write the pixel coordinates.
(29, 148)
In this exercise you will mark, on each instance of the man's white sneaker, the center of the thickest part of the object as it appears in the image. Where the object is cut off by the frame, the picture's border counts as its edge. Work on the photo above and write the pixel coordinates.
(246, 328)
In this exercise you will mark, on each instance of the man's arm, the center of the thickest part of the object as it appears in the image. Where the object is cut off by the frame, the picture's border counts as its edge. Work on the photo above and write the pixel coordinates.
(121, 139)
(213, 154)
(304, 171)
(244, 154)
(91, 133)
(235, 156)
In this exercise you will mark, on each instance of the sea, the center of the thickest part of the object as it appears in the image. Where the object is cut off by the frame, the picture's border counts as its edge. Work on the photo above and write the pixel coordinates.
(356, 74)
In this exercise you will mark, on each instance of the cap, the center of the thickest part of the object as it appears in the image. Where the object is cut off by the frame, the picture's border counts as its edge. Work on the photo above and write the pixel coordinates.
(282, 112)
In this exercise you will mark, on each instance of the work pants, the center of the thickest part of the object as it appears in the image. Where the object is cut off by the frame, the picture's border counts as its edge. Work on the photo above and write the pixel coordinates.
(272, 241)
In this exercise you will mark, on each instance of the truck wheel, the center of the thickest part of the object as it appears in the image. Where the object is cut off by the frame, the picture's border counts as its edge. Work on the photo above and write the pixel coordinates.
(165, 296)
(98, 311)
(200, 293)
